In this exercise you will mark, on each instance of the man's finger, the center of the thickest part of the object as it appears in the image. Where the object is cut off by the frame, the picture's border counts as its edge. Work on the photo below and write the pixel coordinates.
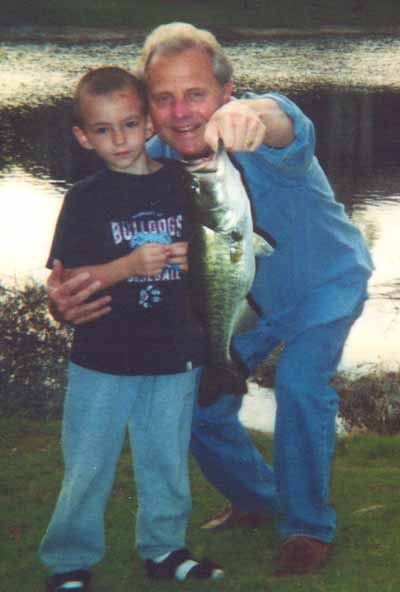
(79, 313)
(93, 315)
(85, 293)
(211, 136)
(70, 286)
(55, 277)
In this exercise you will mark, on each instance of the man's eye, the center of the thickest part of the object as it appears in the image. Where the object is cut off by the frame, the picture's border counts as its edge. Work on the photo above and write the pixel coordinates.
(195, 95)
(162, 99)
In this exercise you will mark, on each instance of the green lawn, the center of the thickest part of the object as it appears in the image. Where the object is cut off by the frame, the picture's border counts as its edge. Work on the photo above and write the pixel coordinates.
(366, 494)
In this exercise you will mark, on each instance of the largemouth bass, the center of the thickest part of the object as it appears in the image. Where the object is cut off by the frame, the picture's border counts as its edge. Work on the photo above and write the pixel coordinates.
(222, 266)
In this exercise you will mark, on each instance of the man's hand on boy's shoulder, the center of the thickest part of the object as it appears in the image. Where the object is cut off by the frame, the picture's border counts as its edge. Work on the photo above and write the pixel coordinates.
(67, 299)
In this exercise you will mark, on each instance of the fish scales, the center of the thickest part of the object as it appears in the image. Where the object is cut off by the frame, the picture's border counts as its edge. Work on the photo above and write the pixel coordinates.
(220, 286)
(222, 266)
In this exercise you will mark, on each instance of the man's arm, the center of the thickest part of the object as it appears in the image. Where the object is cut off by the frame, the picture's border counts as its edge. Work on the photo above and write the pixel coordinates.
(246, 124)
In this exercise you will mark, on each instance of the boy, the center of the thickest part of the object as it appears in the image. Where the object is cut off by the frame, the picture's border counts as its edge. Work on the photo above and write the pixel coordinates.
(136, 368)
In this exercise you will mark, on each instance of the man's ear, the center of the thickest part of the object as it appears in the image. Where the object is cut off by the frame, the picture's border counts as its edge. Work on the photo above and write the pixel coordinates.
(149, 127)
(82, 137)
(228, 89)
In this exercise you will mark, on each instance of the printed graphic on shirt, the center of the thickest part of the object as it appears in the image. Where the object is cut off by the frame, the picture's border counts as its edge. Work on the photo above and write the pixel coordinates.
(149, 296)
(150, 227)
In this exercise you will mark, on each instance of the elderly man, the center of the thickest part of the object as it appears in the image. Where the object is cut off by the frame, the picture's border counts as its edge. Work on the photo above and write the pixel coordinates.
(309, 292)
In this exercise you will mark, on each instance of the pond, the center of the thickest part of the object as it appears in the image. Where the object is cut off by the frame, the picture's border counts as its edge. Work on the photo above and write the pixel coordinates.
(349, 87)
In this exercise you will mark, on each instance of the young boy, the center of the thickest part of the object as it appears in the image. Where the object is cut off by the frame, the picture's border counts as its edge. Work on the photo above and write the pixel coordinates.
(136, 368)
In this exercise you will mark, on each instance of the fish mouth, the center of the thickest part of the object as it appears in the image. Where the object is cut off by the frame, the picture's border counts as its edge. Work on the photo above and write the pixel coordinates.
(205, 162)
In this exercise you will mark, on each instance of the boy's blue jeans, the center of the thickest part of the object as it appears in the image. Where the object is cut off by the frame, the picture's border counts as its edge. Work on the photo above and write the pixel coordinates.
(98, 410)
(297, 489)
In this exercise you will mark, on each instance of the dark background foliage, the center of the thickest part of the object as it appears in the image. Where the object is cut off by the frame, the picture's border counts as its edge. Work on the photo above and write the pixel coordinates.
(33, 353)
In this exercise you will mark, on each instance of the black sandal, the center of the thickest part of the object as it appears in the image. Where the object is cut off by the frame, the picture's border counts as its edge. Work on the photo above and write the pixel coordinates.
(181, 566)
(75, 581)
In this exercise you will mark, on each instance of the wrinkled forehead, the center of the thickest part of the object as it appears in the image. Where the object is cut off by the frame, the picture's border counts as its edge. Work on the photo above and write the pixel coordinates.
(197, 55)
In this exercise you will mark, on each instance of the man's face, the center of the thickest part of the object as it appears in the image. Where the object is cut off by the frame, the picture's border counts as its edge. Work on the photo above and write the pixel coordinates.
(184, 94)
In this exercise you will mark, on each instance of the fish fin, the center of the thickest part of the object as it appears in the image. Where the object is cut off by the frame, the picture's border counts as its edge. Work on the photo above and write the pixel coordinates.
(216, 381)
(261, 246)
(248, 317)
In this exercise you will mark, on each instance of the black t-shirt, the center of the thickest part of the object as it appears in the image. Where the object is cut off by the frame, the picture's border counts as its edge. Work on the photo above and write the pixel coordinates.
(104, 217)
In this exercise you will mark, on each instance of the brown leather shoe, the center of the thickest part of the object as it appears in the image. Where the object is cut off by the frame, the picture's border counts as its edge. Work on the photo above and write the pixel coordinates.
(302, 555)
(231, 517)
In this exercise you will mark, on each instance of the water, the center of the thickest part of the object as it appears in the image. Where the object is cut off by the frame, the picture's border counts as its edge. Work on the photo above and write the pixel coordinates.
(349, 87)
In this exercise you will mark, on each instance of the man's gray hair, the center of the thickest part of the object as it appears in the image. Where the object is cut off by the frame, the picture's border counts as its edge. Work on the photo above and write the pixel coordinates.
(174, 38)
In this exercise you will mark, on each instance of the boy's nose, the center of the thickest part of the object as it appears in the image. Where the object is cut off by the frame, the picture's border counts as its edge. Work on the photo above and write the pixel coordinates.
(118, 136)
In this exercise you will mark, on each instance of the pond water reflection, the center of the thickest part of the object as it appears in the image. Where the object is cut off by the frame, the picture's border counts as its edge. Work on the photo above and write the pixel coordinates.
(349, 87)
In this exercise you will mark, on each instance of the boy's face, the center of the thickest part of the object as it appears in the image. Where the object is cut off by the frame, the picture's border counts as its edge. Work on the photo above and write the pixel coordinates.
(116, 128)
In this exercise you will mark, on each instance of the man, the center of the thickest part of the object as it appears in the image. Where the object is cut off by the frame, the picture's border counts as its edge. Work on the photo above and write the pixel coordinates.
(309, 292)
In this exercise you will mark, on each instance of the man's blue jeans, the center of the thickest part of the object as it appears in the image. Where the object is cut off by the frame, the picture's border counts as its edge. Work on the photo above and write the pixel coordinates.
(297, 489)
(99, 409)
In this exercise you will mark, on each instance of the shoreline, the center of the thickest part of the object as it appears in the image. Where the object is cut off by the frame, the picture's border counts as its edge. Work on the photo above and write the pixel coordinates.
(70, 34)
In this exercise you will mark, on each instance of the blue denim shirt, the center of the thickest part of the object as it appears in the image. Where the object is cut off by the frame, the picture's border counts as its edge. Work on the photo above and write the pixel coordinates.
(319, 270)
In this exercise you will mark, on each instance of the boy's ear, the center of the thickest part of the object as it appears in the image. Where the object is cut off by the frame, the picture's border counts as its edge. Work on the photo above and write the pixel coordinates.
(82, 137)
(149, 130)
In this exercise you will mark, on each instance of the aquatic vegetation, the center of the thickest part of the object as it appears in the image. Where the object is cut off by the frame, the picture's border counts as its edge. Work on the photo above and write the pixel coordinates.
(33, 353)
(371, 402)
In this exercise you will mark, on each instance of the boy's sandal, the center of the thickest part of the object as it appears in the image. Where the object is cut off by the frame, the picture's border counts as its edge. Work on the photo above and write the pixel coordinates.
(73, 581)
(181, 566)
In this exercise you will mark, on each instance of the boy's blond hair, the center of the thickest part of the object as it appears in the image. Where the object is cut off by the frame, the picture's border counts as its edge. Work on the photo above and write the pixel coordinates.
(103, 81)
(177, 37)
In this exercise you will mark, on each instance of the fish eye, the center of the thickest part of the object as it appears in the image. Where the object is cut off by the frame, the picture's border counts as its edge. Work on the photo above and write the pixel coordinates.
(236, 235)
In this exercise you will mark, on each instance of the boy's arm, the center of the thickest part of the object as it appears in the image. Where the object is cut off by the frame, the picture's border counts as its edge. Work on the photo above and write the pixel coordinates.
(148, 259)
(68, 290)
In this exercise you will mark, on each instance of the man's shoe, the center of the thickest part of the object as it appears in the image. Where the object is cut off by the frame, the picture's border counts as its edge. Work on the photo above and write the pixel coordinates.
(302, 555)
(75, 581)
(231, 517)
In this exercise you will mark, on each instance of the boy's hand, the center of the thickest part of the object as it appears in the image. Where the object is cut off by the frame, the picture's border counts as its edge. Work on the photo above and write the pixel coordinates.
(67, 299)
(148, 259)
(178, 255)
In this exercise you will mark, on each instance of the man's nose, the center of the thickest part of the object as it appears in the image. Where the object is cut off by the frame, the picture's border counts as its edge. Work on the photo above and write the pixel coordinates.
(181, 108)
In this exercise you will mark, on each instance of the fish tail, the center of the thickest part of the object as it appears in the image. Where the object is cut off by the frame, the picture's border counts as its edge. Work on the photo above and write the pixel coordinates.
(216, 381)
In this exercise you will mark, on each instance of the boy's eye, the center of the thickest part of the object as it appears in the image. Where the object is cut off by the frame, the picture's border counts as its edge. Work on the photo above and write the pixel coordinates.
(132, 123)
(100, 130)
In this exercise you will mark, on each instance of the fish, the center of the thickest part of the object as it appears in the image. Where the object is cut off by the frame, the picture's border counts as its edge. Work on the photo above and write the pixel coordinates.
(222, 264)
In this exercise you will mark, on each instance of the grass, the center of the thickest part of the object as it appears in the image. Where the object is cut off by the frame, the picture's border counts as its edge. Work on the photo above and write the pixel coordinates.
(243, 13)
(365, 492)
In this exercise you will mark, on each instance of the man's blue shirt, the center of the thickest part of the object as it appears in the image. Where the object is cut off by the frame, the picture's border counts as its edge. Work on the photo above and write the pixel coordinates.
(319, 270)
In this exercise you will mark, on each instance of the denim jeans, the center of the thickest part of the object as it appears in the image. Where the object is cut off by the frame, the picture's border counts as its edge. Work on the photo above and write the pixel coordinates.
(98, 410)
(297, 488)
